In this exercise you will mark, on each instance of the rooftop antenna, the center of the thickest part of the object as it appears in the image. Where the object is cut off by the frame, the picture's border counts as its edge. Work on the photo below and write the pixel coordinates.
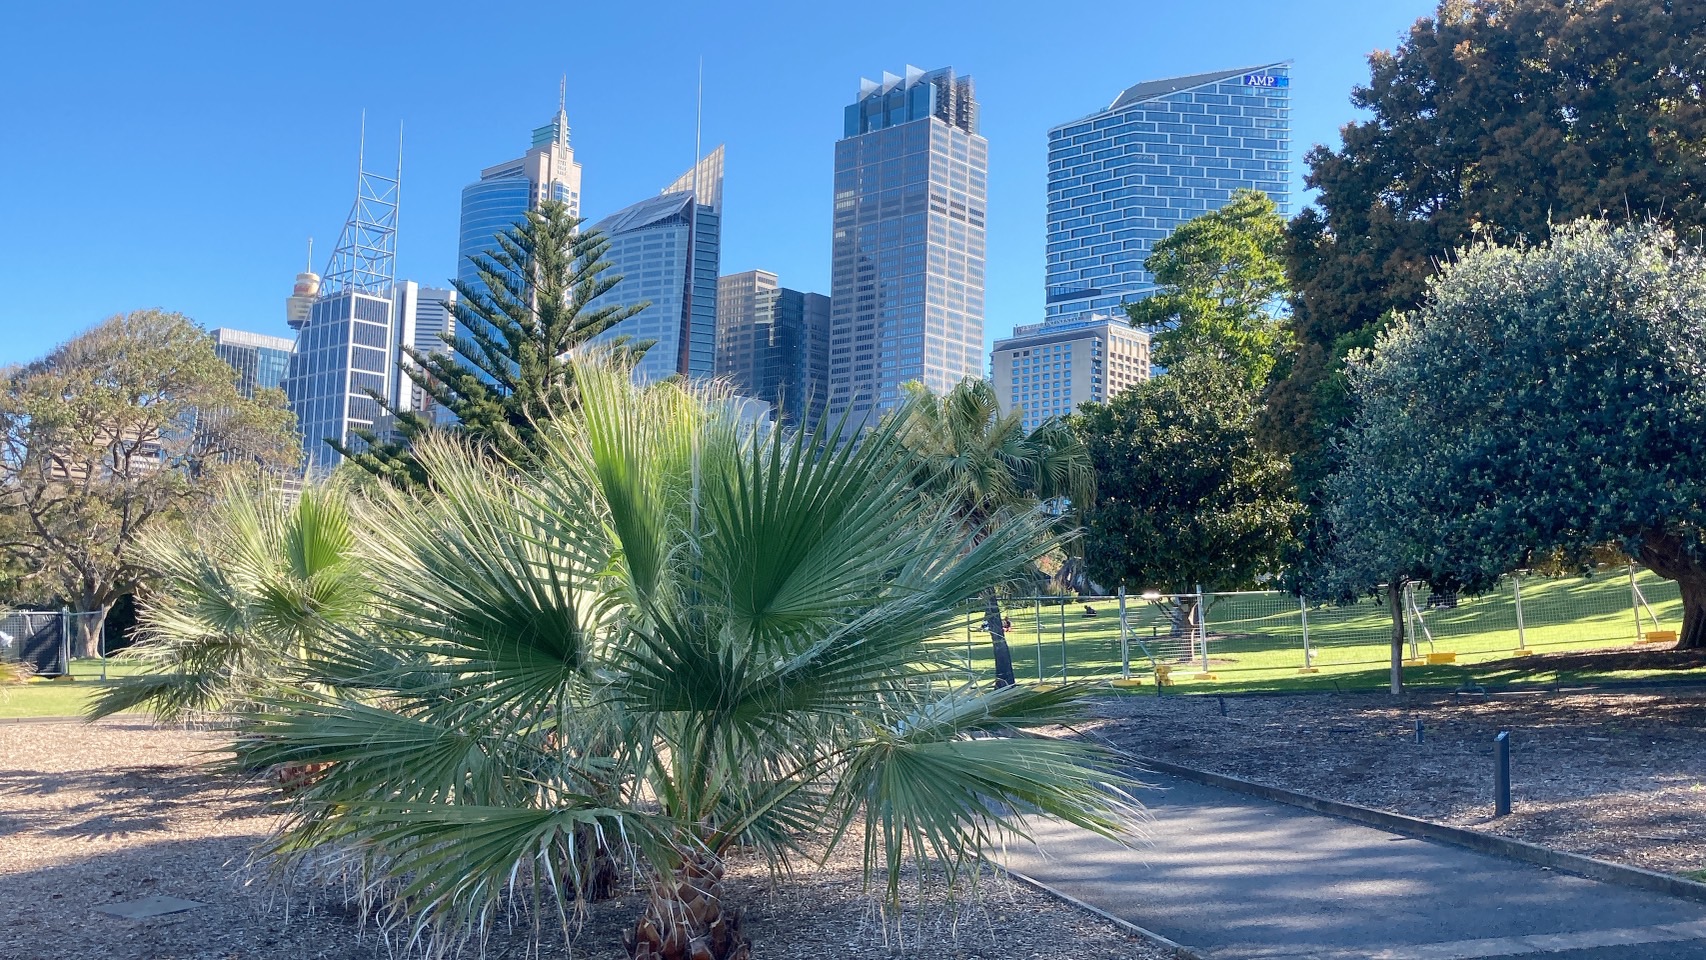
(309, 266)
(397, 197)
(563, 94)
(698, 124)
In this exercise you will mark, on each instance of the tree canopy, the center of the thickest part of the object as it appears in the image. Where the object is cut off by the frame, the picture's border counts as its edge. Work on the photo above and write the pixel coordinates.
(1546, 399)
(1184, 492)
(1222, 285)
(1492, 119)
(508, 371)
(121, 429)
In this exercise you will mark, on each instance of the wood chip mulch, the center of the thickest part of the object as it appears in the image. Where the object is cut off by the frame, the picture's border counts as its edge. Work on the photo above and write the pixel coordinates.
(119, 811)
(1616, 775)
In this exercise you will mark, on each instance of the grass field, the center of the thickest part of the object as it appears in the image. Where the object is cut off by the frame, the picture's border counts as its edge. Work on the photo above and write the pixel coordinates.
(1256, 640)
(58, 698)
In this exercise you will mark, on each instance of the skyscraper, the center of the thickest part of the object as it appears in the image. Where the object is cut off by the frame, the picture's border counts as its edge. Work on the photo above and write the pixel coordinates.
(667, 251)
(773, 343)
(348, 346)
(1161, 153)
(260, 360)
(906, 288)
(505, 192)
(425, 317)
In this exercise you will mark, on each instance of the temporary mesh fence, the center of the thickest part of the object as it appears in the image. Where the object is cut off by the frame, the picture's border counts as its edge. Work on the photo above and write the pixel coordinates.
(44, 641)
(1245, 635)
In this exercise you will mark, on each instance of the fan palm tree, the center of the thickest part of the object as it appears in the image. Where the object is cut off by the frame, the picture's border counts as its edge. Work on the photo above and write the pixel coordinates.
(238, 599)
(991, 473)
(671, 637)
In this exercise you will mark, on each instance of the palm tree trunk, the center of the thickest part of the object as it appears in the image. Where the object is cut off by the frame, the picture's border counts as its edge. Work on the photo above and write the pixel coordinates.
(998, 640)
(686, 918)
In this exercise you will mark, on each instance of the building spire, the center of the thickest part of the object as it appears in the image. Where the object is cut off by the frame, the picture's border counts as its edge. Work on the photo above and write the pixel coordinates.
(563, 95)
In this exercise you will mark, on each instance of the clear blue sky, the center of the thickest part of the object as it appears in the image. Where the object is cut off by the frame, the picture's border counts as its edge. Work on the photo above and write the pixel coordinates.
(178, 155)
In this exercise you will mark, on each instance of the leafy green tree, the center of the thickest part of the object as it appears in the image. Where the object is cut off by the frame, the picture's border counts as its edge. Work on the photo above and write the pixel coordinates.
(238, 601)
(1222, 284)
(1493, 119)
(686, 637)
(125, 428)
(509, 372)
(1185, 493)
(989, 471)
(1545, 400)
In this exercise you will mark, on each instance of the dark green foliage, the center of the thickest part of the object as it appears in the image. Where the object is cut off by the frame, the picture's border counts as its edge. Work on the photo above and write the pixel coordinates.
(1493, 119)
(1185, 493)
(1546, 400)
(1222, 281)
(509, 372)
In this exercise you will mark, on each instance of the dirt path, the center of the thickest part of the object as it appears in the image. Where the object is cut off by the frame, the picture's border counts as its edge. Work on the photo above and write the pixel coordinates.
(114, 812)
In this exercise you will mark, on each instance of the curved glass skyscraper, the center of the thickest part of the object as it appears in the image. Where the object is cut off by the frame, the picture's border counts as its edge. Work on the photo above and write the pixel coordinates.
(1162, 153)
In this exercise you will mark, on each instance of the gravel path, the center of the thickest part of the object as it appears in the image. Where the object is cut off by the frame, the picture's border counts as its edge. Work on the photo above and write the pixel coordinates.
(118, 811)
(1620, 776)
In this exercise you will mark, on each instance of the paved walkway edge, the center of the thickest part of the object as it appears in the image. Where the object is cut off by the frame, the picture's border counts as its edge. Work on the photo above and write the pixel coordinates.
(1578, 864)
(1179, 950)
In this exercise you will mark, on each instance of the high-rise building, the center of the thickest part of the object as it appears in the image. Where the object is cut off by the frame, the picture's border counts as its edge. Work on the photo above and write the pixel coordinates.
(1162, 153)
(773, 343)
(906, 288)
(505, 192)
(666, 249)
(1047, 369)
(425, 318)
(260, 360)
(347, 349)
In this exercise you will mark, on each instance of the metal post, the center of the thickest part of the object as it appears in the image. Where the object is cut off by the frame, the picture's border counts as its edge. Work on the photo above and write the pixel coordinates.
(101, 647)
(1502, 774)
(1064, 675)
(1303, 612)
(1409, 608)
(1521, 631)
(1635, 602)
(1038, 612)
(65, 638)
(1202, 627)
(1125, 640)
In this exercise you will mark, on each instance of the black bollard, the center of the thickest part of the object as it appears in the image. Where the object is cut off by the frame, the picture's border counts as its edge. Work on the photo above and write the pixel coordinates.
(1222, 705)
(1418, 731)
(1502, 774)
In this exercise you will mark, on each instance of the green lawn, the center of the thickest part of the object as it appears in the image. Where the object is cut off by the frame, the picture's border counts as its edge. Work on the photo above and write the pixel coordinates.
(1255, 641)
(58, 698)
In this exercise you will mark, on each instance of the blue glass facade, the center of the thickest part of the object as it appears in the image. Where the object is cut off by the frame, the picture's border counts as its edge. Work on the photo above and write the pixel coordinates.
(1162, 153)
(260, 360)
(667, 251)
(907, 251)
(346, 349)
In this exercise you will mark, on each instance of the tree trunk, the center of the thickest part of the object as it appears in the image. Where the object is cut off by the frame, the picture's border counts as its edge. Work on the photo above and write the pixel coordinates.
(685, 918)
(1667, 556)
(1395, 605)
(998, 640)
(91, 624)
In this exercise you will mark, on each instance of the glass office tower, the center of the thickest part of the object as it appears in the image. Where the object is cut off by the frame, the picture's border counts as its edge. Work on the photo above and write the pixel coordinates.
(260, 360)
(1162, 153)
(347, 348)
(666, 250)
(906, 283)
(773, 344)
(505, 192)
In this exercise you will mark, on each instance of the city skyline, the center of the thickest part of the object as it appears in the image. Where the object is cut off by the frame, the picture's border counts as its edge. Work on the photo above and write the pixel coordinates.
(629, 135)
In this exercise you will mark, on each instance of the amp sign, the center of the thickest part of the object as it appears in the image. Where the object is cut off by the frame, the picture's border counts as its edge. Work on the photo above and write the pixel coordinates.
(1265, 80)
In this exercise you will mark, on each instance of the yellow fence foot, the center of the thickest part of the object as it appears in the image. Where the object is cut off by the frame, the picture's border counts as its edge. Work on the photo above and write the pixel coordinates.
(1133, 682)
(1204, 676)
(1308, 670)
(1442, 658)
